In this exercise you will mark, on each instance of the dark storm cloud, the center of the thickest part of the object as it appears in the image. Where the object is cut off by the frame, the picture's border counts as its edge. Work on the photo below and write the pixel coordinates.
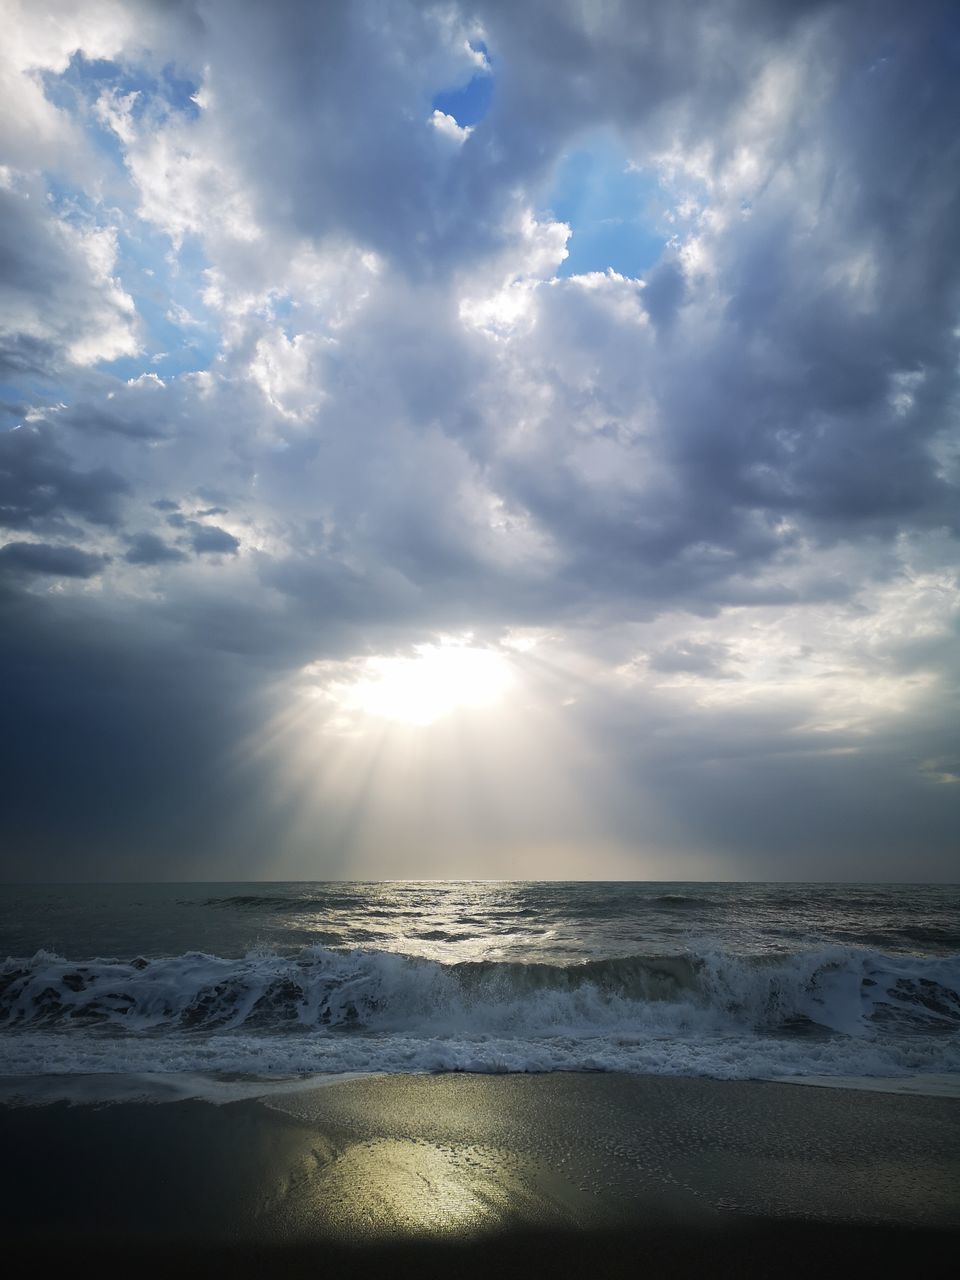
(211, 539)
(385, 179)
(123, 744)
(44, 558)
(664, 293)
(147, 548)
(771, 801)
(28, 261)
(139, 421)
(40, 485)
(22, 354)
(203, 538)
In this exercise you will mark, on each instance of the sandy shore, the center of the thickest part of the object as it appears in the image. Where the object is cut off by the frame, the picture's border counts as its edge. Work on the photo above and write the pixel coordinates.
(461, 1174)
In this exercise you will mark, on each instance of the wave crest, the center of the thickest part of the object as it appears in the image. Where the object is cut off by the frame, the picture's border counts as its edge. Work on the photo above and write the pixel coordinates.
(848, 991)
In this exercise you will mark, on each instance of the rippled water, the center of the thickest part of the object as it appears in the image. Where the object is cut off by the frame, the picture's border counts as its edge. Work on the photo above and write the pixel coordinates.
(477, 920)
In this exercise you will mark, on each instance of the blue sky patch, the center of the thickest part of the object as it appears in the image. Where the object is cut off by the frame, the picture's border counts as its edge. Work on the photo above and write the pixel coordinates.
(610, 208)
(86, 78)
(177, 331)
(469, 104)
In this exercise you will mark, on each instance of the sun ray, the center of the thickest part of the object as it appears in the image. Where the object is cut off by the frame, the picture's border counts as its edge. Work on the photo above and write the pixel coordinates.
(454, 753)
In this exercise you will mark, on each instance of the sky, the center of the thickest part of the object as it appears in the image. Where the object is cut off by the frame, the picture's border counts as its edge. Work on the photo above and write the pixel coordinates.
(479, 439)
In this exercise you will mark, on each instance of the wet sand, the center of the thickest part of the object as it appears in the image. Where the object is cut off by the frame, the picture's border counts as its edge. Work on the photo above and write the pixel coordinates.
(463, 1175)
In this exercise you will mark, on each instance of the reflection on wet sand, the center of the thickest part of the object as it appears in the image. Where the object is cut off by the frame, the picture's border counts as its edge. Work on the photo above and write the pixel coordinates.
(454, 1173)
(389, 1188)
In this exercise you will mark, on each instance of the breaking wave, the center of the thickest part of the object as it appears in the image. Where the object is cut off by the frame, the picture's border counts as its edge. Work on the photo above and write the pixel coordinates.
(848, 991)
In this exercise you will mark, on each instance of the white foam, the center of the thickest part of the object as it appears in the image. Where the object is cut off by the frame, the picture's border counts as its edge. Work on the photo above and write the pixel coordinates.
(157, 1086)
(928, 1086)
(329, 1012)
(729, 1057)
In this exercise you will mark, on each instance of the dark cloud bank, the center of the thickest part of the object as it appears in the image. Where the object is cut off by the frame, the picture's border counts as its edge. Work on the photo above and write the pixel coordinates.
(724, 497)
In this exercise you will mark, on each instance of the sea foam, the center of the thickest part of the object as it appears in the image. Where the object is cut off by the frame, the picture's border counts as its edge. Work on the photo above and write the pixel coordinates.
(828, 1011)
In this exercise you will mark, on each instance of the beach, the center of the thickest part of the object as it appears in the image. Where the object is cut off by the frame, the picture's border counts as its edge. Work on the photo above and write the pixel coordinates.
(461, 1174)
(481, 1079)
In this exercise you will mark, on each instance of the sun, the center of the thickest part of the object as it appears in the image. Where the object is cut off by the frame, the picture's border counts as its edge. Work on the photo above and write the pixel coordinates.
(435, 680)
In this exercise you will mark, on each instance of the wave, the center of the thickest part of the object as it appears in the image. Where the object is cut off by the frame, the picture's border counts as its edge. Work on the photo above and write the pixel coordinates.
(833, 990)
(682, 900)
(313, 902)
(269, 902)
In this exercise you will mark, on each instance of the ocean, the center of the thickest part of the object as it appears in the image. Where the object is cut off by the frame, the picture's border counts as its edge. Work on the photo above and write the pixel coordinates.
(727, 980)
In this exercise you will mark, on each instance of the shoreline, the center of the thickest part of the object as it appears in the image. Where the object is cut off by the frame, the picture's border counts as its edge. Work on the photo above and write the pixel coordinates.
(220, 1088)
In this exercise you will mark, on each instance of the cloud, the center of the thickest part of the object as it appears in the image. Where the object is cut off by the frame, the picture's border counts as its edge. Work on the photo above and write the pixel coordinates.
(40, 486)
(44, 558)
(211, 539)
(697, 657)
(723, 492)
(62, 298)
(147, 548)
(130, 411)
(448, 128)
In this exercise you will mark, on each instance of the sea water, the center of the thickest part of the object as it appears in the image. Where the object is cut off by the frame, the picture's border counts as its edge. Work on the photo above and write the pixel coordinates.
(729, 980)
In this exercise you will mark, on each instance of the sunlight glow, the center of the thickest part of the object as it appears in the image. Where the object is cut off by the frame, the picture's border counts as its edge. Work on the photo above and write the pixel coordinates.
(410, 763)
(437, 680)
